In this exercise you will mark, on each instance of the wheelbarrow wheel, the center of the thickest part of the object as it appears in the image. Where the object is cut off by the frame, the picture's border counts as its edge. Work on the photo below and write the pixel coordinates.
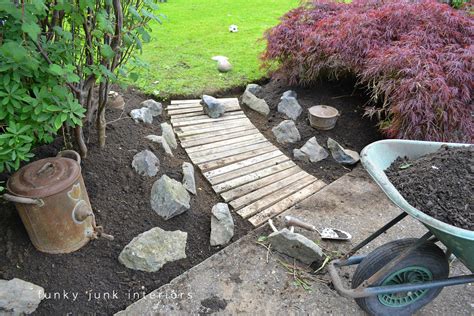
(427, 262)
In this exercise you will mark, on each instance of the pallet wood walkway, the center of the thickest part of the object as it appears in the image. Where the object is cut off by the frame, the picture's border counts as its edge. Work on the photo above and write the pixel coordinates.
(249, 172)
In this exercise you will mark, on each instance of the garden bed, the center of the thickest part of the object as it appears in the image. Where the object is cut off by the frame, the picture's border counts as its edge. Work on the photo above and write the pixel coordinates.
(120, 199)
(352, 131)
(439, 184)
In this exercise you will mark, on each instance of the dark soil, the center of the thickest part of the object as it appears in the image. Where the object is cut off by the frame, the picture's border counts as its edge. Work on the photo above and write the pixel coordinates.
(352, 131)
(439, 184)
(120, 198)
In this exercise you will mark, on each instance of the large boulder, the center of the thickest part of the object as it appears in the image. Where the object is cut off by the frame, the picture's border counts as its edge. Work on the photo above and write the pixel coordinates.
(290, 107)
(169, 197)
(146, 163)
(142, 115)
(311, 151)
(288, 94)
(256, 104)
(168, 135)
(189, 181)
(286, 132)
(212, 107)
(222, 225)
(296, 246)
(152, 249)
(341, 155)
(254, 88)
(18, 297)
(156, 108)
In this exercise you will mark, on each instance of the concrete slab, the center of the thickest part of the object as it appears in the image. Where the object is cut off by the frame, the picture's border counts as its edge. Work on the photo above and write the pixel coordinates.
(240, 280)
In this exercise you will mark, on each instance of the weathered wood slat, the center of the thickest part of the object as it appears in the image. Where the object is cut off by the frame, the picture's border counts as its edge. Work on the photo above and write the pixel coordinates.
(235, 158)
(200, 112)
(208, 120)
(254, 186)
(218, 133)
(198, 108)
(242, 201)
(200, 117)
(254, 137)
(227, 153)
(241, 164)
(213, 139)
(274, 197)
(251, 177)
(210, 127)
(247, 170)
(285, 204)
(181, 102)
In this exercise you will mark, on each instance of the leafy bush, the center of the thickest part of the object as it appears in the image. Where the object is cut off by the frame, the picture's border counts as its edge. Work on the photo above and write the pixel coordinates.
(415, 56)
(57, 61)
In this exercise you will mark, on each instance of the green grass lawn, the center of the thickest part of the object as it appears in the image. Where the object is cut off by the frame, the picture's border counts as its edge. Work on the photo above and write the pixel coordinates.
(179, 54)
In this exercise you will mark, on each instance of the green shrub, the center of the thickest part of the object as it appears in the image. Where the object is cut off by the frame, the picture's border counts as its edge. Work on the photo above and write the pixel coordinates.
(34, 99)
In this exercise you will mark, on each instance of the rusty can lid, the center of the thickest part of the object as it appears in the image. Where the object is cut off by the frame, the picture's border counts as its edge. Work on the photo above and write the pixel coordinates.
(44, 177)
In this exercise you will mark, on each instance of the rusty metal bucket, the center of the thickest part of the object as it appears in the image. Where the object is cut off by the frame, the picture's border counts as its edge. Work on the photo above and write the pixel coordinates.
(52, 201)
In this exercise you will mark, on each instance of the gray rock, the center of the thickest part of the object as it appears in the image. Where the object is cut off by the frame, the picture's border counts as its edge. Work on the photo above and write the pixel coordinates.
(222, 225)
(156, 108)
(152, 249)
(341, 155)
(168, 135)
(169, 197)
(189, 181)
(212, 107)
(18, 297)
(312, 150)
(296, 246)
(160, 140)
(290, 107)
(286, 132)
(143, 114)
(288, 94)
(224, 65)
(256, 104)
(299, 155)
(146, 163)
(254, 88)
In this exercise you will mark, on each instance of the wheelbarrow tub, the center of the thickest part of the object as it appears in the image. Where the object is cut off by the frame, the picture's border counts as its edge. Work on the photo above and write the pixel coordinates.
(378, 156)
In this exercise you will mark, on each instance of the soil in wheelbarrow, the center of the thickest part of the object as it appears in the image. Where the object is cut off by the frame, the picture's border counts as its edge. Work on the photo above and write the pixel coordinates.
(84, 282)
(439, 184)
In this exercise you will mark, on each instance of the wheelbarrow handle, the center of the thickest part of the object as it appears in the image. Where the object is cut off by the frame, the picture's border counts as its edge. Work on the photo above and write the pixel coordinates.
(22, 200)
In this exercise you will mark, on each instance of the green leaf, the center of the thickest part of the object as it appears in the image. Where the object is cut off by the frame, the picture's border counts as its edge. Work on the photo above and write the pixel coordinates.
(32, 29)
(106, 51)
(56, 70)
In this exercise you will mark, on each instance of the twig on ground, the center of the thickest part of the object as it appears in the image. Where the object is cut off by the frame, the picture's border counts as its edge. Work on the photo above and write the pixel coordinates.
(325, 262)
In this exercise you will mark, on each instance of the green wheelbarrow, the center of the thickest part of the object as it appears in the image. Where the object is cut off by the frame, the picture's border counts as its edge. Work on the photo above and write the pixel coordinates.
(402, 276)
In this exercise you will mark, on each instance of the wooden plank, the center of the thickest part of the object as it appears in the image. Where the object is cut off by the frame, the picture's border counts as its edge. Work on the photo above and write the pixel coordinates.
(218, 133)
(209, 127)
(220, 149)
(251, 177)
(227, 153)
(184, 106)
(251, 197)
(180, 102)
(232, 159)
(198, 108)
(242, 164)
(254, 186)
(285, 204)
(208, 120)
(254, 137)
(185, 101)
(197, 113)
(247, 170)
(213, 139)
(204, 116)
(275, 197)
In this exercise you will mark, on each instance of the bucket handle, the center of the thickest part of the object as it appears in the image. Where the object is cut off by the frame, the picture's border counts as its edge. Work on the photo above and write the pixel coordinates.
(66, 153)
(22, 200)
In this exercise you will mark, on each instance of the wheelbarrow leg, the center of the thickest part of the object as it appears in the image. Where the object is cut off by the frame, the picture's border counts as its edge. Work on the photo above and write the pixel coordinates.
(376, 234)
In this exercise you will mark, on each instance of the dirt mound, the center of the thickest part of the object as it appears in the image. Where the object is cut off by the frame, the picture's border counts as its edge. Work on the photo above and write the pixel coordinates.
(439, 184)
